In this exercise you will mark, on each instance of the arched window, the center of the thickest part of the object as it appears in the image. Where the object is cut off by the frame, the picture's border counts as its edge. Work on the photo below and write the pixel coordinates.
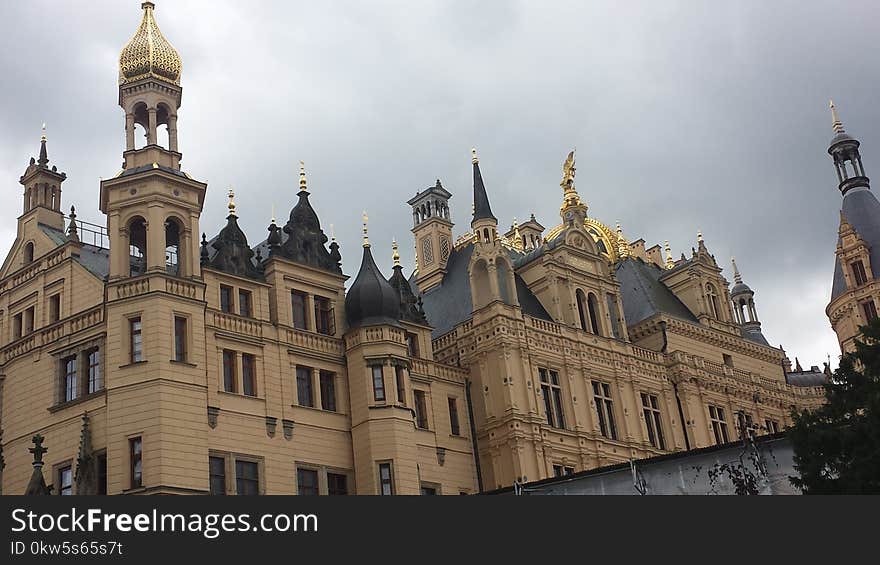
(503, 273)
(29, 253)
(593, 309)
(137, 241)
(581, 300)
(482, 293)
(712, 299)
(486, 235)
(173, 248)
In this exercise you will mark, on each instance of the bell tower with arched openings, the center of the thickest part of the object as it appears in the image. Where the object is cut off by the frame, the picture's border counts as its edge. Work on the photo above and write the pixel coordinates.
(155, 291)
(152, 206)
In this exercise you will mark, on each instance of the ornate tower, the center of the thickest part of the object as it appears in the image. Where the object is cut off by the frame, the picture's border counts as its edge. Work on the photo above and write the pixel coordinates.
(383, 435)
(155, 294)
(744, 312)
(855, 292)
(432, 229)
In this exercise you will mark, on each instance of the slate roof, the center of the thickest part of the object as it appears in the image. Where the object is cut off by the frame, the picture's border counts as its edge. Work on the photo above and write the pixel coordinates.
(643, 295)
(95, 259)
(449, 303)
(806, 378)
(756, 336)
(862, 210)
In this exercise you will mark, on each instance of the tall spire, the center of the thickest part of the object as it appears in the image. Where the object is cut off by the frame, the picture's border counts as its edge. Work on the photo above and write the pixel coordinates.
(482, 210)
(844, 149)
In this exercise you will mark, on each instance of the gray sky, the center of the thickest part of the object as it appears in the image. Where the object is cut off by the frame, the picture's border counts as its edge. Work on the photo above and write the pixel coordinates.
(685, 115)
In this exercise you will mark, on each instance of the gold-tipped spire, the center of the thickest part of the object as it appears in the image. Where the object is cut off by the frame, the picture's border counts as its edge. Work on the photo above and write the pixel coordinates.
(517, 236)
(670, 263)
(622, 244)
(231, 204)
(302, 176)
(737, 278)
(148, 54)
(474, 158)
(699, 236)
(43, 136)
(836, 124)
(365, 218)
(395, 255)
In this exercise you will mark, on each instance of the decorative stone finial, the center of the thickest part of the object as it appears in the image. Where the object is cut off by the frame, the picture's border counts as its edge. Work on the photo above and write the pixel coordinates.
(474, 158)
(395, 255)
(669, 262)
(332, 233)
(72, 234)
(203, 253)
(699, 236)
(43, 136)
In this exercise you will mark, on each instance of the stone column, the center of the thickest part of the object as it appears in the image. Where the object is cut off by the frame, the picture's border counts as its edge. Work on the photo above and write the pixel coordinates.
(129, 132)
(151, 129)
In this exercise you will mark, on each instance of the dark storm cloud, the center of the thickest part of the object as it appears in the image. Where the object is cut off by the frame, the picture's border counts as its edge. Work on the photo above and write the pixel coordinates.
(686, 116)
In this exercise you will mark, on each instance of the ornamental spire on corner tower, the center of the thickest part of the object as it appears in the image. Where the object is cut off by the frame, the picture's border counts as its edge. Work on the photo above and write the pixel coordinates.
(482, 209)
(844, 150)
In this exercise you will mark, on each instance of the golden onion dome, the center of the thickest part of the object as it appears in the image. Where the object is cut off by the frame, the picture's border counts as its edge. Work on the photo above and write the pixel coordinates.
(149, 54)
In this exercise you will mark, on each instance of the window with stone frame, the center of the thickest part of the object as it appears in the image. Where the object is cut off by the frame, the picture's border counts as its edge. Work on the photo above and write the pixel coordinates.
(305, 392)
(69, 379)
(307, 482)
(551, 391)
(378, 383)
(229, 371)
(64, 476)
(604, 409)
(299, 311)
(248, 374)
(324, 323)
(869, 309)
(386, 478)
(247, 477)
(245, 308)
(420, 405)
(328, 390)
(217, 475)
(226, 299)
(719, 424)
(860, 276)
(653, 424)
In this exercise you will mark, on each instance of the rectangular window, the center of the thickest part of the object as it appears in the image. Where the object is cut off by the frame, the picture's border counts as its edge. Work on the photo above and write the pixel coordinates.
(719, 424)
(29, 321)
(135, 459)
(298, 300)
(328, 391)
(180, 339)
(244, 303)
(401, 385)
(93, 359)
(304, 394)
(54, 308)
(378, 384)
(454, 427)
(323, 316)
(859, 274)
(247, 478)
(421, 408)
(217, 475)
(728, 359)
(772, 426)
(386, 481)
(651, 411)
(562, 471)
(248, 374)
(552, 393)
(226, 298)
(307, 482)
(65, 480)
(604, 409)
(412, 344)
(870, 310)
(557, 470)
(136, 340)
(568, 470)
(426, 490)
(16, 325)
(68, 378)
(101, 464)
(229, 371)
(337, 484)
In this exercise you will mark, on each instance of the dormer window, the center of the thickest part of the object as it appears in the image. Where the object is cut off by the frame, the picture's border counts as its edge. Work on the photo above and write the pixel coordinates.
(712, 298)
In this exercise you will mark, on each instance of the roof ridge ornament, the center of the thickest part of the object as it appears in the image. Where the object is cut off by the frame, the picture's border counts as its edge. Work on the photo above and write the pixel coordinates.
(365, 219)
(302, 177)
(395, 254)
(231, 204)
(670, 263)
(737, 278)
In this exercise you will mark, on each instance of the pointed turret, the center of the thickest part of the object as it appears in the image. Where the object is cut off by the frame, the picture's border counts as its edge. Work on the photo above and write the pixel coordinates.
(233, 254)
(844, 149)
(42, 188)
(371, 301)
(482, 209)
(86, 478)
(409, 309)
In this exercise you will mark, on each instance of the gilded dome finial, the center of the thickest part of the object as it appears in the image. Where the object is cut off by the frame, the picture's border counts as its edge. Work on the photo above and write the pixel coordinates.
(366, 237)
(148, 54)
(570, 197)
(302, 176)
(231, 204)
(43, 135)
(395, 255)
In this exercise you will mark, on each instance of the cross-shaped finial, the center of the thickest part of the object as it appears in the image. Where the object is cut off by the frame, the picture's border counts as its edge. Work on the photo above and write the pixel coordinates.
(38, 450)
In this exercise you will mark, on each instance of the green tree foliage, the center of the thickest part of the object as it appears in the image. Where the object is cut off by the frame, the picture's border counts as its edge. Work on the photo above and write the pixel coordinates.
(837, 447)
